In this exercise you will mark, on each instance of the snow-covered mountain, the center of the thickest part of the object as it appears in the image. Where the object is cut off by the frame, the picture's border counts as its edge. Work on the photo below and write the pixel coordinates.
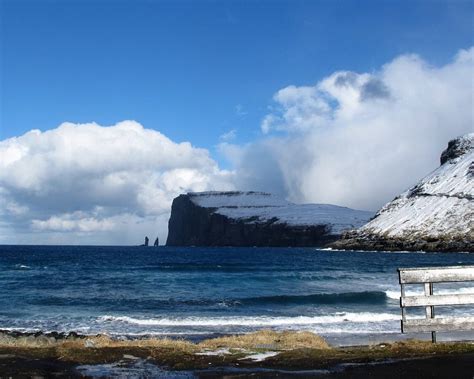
(435, 214)
(256, 219)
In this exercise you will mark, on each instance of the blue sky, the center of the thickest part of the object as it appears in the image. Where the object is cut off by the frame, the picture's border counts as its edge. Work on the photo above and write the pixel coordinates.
(196, 70)
(337, 102)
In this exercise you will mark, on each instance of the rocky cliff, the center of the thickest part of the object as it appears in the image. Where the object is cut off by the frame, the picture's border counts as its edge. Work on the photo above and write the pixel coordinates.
(256, 219)
(437, 214)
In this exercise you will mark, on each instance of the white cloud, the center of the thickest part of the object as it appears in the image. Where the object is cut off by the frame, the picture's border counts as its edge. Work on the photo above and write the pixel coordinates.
(359, 139)
(85, 183)
(76, 222)
(228, 136)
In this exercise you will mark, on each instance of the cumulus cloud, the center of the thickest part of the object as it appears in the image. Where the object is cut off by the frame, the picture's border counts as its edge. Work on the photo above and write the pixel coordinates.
(359, 139)
(85, 183)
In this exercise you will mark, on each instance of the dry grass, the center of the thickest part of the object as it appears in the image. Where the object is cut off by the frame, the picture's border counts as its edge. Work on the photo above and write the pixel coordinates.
(264, 340)
(268, 340)
(423, 347)
(26, 341)
(98, 342)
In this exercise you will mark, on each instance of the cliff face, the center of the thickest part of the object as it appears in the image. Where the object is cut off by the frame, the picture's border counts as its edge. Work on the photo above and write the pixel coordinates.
(256, 219)
(437, 214)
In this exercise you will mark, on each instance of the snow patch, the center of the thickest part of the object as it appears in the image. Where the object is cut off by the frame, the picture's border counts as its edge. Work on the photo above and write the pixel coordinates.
(215, 352)
(264, 207)
(259, 357)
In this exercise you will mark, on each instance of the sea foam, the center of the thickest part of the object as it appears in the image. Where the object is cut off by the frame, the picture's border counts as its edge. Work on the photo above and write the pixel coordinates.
(259, 321)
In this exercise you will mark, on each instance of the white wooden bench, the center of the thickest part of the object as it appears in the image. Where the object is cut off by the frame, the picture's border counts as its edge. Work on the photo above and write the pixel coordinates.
(427, 276)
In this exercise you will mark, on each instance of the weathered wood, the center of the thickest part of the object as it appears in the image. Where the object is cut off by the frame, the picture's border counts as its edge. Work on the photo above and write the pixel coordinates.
(436, 274)
(424, 301)
(427, 276)
(445, 324)
(429, 311)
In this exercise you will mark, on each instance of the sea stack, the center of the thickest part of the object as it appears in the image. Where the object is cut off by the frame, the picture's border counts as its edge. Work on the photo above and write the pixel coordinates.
(256, 219)
(437, 214)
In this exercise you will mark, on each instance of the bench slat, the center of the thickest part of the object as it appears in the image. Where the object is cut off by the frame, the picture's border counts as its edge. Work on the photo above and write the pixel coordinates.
(421, 301)
(445, 324)
(436, 274)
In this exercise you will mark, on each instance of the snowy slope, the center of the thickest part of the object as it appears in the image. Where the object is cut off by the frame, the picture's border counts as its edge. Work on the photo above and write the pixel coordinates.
(439, 209)
(260, 207)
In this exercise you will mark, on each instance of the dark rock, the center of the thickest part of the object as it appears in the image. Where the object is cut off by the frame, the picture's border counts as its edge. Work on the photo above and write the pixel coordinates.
(456, 148)
(375, 242)
(146, 242)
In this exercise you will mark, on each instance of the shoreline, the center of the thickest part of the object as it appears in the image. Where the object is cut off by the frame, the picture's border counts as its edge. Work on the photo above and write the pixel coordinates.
(264, 353)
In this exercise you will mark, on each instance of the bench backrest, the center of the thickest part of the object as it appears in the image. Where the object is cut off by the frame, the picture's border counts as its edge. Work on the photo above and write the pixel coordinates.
(427, 276)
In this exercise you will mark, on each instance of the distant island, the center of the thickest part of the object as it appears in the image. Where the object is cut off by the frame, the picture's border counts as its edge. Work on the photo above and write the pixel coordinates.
(256, 219)
(437, 214)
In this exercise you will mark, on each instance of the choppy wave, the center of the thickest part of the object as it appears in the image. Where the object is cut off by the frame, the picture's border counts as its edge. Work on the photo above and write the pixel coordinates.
(259, 321)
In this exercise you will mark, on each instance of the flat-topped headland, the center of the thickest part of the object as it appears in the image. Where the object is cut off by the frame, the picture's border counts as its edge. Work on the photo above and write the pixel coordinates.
(256, 219)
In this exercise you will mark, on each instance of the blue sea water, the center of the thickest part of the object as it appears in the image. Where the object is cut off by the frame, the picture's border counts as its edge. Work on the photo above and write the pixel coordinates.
(347, 297)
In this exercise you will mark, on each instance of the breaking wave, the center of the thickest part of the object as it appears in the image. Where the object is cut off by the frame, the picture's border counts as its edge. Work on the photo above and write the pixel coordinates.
(258, 321)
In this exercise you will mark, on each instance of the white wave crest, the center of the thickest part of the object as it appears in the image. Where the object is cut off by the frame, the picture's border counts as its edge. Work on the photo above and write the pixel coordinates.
(259, 321)
(25, 267)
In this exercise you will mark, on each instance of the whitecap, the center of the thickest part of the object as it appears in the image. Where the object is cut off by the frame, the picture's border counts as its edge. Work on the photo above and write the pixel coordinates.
(258, 321)
(24, 267)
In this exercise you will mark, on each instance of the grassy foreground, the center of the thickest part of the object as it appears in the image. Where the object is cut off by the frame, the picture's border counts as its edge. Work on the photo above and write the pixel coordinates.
(293, 350)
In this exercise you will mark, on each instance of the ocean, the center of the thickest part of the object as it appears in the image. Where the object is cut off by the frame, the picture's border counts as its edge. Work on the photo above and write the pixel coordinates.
(195, 293)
